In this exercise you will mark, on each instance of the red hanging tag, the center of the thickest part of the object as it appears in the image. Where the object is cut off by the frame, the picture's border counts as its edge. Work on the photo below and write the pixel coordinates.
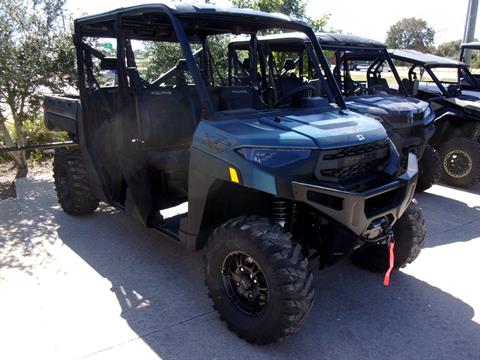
(391, 262)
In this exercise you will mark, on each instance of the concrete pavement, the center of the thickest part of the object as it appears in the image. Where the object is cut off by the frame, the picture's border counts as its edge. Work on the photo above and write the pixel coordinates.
(103, 287)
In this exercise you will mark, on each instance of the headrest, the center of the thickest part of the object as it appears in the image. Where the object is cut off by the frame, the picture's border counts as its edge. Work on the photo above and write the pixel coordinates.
(182, 65)
(289, 64)
(246, 63)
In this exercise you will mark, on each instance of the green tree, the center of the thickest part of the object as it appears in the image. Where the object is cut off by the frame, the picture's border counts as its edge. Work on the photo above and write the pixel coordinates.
(411, 33)
(295, 8)
(36, 55)
(450, 49)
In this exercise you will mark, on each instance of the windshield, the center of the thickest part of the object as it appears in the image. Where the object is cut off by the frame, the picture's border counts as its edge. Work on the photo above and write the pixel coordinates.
(356, 71)
(363, 71)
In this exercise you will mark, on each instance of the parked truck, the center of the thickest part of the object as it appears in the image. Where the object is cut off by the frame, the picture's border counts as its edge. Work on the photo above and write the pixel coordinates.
(269, 187)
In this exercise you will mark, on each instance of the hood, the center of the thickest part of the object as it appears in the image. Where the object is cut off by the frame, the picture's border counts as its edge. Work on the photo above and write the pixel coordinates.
(466, 100)
(394, 110)
(327, 130)
(333, 129)
(468, 103)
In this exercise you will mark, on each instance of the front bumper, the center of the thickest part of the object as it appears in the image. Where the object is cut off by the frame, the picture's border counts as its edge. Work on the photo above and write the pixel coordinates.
(357, 211)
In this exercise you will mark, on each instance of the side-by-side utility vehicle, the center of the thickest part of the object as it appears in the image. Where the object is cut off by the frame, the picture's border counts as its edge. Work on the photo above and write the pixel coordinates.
(269, 186)
(408, 121)
(453, 93)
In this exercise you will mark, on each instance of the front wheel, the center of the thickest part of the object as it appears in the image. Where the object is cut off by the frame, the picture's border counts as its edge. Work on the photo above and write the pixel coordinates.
(258, 279)
(409, 234)
(460, 159)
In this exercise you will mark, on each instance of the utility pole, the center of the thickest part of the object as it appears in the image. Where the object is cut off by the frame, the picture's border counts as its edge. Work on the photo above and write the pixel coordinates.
(471, 21)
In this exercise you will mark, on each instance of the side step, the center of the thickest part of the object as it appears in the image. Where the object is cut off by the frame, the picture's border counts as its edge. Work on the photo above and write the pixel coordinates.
(174, 222)
(171, 226)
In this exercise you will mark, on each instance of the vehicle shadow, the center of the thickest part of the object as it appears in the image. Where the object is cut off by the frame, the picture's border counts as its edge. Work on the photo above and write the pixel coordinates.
(474, 189)
(160, 289)
(449, 220)
(161, 296)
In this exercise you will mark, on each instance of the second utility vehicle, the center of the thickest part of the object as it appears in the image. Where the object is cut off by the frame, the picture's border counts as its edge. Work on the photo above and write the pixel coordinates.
(453, 94)
(408, 121)
(268, 187)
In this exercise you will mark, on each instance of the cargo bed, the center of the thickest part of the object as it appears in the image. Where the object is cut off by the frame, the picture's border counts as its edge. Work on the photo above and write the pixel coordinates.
(61, 113)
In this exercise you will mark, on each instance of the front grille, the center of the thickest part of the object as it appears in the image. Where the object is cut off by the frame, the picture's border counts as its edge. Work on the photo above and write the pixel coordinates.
(350, 172)
(355, 150)
(346, 165)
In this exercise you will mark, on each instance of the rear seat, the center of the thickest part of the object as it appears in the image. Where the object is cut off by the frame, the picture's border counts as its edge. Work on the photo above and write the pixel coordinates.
(226, 98)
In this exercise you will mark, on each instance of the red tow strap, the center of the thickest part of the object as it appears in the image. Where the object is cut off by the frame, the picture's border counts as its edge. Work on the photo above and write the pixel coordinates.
(391, 262)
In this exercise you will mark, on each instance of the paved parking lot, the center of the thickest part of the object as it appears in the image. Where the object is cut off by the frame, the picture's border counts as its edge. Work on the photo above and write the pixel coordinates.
(102, 287)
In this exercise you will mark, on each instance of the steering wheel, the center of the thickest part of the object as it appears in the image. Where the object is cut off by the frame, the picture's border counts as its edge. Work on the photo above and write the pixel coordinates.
(293, 92)
(358, 89)
(267, 96)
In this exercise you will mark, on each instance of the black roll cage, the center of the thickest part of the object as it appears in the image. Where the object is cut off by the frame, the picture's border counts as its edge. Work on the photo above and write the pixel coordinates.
(469, 46)
(85, 27)
(357, 52)
(429, 69)
(298, 44)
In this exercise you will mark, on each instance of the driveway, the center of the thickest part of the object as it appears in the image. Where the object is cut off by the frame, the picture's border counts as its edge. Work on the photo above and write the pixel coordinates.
(103, 287)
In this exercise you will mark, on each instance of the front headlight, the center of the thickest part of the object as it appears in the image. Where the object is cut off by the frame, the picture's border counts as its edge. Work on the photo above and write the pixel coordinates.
(273, 158)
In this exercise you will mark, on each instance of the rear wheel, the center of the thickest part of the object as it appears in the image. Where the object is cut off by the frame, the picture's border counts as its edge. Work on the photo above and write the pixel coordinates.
(71, 183)
(460, 159)
(258, 279)
(409, 234)
(429, 169)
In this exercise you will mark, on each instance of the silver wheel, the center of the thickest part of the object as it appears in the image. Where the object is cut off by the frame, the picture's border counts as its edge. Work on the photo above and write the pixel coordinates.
(457, 163)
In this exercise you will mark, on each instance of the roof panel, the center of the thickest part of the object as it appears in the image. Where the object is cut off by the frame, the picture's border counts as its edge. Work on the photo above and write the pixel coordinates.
(293, 39)
(186, 10)
(472, 45)
(423, 59)
(345, 39)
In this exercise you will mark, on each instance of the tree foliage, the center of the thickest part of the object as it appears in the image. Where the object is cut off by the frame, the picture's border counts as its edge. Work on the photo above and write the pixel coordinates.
(35, 55)
(159, 57)
(411, 33)
(451, 49)
(294, 8)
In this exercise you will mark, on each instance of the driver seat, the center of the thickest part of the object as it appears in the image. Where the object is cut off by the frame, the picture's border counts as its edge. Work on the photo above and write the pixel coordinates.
(180, 69)
(349, 86)
(411, 86)
(287, 82)
(378, 81)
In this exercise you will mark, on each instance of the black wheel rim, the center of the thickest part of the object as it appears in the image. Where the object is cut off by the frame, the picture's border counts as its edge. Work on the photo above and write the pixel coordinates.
(245, 283)
(457, 163)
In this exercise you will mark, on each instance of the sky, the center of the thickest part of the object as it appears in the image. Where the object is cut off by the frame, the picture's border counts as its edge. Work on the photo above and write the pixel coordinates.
(368, 18)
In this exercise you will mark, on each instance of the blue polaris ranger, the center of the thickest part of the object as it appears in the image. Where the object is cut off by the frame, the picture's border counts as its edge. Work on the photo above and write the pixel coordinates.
(269, 186)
